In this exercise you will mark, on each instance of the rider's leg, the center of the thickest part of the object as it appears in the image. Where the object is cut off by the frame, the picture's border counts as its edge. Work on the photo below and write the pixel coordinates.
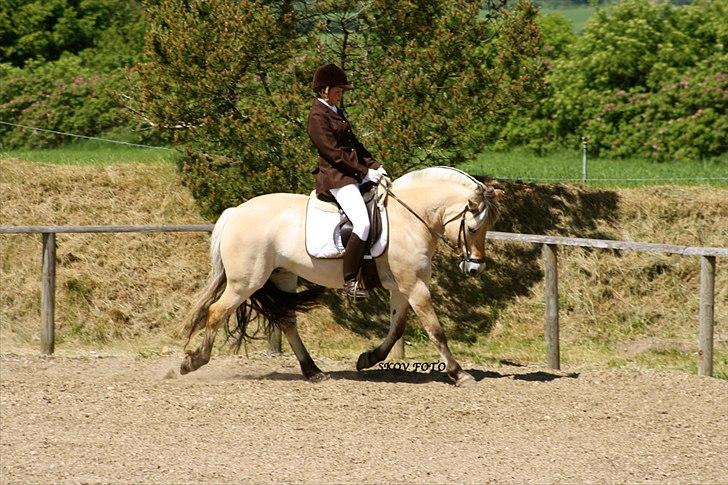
(351, 201)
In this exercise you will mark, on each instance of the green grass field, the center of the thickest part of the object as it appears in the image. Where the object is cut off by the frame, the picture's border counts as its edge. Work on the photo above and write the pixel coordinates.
(577, 15)
(566, 166)
(93, 153)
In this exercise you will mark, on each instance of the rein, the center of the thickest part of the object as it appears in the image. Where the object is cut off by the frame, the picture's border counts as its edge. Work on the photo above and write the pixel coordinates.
(462, 244)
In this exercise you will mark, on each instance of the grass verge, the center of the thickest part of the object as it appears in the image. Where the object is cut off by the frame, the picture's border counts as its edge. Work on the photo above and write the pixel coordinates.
(92, 152)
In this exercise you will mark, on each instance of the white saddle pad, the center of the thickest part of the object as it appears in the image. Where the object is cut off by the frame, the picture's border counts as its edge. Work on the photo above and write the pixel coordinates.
(323, 239)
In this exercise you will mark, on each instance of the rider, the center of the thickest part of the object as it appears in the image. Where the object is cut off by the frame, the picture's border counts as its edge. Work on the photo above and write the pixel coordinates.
(344, 165)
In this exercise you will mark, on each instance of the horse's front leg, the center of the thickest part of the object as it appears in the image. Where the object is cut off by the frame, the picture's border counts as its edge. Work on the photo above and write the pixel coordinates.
(309, 369)
(398, 309)
(421, 302)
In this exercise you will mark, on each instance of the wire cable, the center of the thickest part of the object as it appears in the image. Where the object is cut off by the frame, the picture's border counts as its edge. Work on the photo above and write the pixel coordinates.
(86, 137)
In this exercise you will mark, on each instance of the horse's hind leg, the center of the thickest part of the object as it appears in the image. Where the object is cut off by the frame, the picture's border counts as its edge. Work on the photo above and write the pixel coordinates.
(398, 308)
(218, 313)
(286, 281)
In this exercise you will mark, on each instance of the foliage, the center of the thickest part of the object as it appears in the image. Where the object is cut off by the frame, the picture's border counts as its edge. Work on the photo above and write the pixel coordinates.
(46, 29)
(63, 95)
(231, 79)
(71, 73)
(532, 125)
(644, 79)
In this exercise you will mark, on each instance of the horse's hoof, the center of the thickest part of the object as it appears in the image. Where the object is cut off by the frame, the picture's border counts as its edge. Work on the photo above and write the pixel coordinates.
(465, 380)
(189, 364)
(318, 377)
(363, 362)
(186, 366)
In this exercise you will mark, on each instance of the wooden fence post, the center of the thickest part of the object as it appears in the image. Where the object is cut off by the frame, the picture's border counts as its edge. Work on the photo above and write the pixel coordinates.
(707, 301)
(48, 294)
(275, 344)
(551, 284)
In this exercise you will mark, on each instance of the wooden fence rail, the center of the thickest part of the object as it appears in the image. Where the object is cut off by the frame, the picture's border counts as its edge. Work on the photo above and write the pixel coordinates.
(707, 285)
(549, 250)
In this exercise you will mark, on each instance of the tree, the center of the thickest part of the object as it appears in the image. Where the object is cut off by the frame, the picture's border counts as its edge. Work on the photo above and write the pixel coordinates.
(62, 65)
(232, 80)
(45, 29)
(643, 79)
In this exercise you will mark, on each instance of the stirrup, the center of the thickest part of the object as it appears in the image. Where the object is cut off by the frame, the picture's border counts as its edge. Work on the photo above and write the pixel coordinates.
(352, 290)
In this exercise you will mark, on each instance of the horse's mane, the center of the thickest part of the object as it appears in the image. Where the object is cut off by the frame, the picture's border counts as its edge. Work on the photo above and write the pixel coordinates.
(490, 208)
(443, 174)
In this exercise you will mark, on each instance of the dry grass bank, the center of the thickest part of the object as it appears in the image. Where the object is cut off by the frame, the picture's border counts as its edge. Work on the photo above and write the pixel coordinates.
(130, 290)
(110, 287)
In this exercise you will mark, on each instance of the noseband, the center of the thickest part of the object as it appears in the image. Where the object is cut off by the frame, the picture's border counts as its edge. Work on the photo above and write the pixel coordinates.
(463, 237)
(462, 246)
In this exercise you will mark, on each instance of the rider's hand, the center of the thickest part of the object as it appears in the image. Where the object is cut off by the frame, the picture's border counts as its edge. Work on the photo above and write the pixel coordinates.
(382, 171)
(374, 175)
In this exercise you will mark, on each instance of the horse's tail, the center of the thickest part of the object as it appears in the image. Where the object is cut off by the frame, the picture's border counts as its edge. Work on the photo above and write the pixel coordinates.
(197, 317)
(274, 306)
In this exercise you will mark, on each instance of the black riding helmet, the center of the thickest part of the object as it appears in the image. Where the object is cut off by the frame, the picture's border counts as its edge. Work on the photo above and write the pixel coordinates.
(330, 75)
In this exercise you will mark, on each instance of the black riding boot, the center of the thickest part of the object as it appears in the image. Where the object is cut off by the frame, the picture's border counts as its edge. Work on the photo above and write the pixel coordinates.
(353, 256)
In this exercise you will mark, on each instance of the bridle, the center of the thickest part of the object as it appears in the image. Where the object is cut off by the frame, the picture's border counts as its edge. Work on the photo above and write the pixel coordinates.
(462, 249)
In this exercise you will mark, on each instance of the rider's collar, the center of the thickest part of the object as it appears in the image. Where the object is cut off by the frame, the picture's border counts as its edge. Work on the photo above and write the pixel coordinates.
(331, 107)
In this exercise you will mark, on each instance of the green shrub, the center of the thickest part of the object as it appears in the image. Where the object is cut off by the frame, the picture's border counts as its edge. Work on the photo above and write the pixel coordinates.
(63, 66)
(644, 79)
(62, 95)
(47, 29)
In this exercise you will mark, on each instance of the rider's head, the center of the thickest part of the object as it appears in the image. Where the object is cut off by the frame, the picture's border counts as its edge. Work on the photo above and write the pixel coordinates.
(330, 82)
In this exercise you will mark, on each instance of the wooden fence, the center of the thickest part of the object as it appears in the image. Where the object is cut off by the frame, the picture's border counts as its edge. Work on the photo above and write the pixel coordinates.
(549, 250)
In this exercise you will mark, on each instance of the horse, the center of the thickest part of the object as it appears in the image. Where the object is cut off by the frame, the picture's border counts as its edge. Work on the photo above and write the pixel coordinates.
(258, 253)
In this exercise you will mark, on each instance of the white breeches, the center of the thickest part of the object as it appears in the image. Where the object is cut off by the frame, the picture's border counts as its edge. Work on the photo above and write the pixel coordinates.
(350, 199)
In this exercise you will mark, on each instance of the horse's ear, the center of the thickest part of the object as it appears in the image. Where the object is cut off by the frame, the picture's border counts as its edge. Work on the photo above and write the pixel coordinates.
(491, 192)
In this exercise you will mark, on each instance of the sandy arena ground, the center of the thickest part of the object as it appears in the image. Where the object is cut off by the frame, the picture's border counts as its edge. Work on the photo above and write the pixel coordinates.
(116, 419)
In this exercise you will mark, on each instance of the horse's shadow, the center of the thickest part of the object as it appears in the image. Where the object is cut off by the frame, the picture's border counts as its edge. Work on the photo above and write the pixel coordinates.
(469, 308)
(410, 377)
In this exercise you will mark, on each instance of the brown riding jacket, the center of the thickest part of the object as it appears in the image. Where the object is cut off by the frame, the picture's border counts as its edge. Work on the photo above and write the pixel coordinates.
(343, 160)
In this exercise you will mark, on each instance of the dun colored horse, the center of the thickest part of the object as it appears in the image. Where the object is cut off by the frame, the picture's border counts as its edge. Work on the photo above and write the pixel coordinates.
(258, 252)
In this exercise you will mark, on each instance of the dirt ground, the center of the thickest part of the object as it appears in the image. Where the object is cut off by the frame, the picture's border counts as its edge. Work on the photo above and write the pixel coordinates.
(115, 418)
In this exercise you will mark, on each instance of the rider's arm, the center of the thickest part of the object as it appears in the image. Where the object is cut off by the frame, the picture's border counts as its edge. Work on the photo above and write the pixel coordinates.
(364, 154)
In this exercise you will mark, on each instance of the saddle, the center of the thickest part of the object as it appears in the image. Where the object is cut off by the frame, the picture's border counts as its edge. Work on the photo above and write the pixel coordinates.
(328, 229)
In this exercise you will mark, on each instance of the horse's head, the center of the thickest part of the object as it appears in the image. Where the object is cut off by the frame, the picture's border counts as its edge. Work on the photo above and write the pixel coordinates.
(468, 226)
(458, 209)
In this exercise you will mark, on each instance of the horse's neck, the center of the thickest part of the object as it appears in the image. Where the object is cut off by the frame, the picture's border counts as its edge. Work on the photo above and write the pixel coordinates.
(431, 201)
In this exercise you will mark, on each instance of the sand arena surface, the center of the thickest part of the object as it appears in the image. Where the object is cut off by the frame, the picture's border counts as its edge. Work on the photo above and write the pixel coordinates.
(254, 419)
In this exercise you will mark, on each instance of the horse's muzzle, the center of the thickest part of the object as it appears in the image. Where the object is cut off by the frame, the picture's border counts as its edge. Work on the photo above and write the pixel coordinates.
(470, 268)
